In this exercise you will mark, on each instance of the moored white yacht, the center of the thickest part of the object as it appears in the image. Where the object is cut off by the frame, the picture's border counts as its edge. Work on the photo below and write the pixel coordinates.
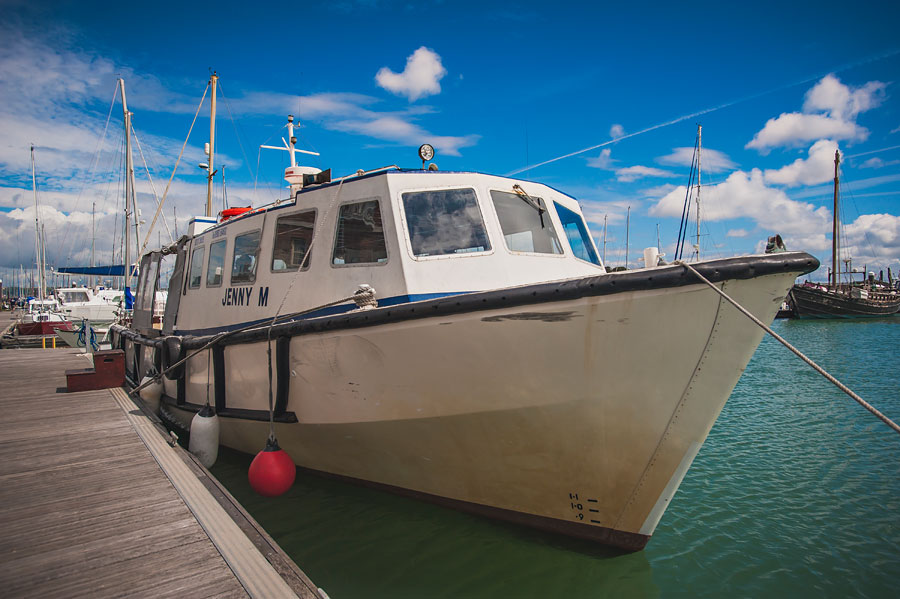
(99, 306)
(503, 370)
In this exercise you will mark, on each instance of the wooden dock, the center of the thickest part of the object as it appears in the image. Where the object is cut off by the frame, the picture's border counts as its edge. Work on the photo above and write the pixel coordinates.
(95, 503)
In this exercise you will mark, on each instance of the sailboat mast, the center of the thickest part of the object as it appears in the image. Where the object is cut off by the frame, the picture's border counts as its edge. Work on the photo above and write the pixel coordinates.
(699, 153)
(604, 238)
(37, 233)
(835, 232)
(212, 144)
(93, 279)
(627, 234)
(129, 191)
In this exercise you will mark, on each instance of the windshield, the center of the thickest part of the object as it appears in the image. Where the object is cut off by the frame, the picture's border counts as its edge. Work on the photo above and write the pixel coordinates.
(577, 234)
(525, 224)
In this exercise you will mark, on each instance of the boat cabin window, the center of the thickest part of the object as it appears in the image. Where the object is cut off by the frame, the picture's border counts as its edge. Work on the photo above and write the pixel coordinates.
(445, 221)
(577, 234)
(293, 234)
(216, 263)
(360, 235)
(67, 297)
(246, 254)
(526, 224)
(196, 268)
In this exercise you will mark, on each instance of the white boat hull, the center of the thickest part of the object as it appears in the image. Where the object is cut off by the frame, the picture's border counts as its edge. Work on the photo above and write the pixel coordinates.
(580, 416)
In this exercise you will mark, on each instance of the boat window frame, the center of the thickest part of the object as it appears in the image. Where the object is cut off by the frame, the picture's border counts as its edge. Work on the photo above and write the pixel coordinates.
(259, 242)
(405, 223)
(548, 213)
(194, 248)
(206, 282)
(582, 221)
(304, 210)
(337, 221)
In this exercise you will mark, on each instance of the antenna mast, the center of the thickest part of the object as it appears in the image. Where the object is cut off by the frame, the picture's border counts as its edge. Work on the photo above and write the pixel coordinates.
(212, 144)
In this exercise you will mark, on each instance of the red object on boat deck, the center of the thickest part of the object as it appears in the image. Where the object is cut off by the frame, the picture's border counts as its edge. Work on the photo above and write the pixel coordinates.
(108, 371)
(43, 327)
(272, 471)
(232, 212)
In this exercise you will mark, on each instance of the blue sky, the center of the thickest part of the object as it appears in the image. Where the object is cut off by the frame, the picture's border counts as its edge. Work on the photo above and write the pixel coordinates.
(495, 87)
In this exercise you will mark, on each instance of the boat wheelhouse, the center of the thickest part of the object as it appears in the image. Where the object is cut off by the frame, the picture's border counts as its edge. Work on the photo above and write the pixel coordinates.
(500, 369)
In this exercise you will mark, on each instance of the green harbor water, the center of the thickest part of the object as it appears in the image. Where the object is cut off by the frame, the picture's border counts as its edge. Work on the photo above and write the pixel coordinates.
(795, 493)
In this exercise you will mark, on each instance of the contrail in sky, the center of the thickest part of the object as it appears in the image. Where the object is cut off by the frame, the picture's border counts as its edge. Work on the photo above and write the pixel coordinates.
(871, 152)
(708, 110)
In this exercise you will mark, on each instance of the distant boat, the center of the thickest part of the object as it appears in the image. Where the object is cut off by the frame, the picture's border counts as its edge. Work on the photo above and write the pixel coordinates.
(838, 299)
(41, 316)
(100, 306)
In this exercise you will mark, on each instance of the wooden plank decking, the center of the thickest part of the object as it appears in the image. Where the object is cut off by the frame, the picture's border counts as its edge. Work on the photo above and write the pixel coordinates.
(86, 510)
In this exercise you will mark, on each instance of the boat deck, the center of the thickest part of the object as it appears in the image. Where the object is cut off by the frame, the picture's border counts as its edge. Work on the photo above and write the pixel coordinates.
(96, 503)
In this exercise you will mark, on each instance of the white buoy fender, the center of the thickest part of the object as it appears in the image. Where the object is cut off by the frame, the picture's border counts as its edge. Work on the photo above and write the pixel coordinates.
(205, 436)
(152, 392)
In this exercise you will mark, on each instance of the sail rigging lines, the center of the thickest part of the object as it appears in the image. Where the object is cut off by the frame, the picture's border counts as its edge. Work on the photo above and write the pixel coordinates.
(152, 188)
(94, 162)
(174, 170)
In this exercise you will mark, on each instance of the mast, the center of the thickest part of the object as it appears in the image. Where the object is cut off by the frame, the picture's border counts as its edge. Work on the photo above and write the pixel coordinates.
(38, 258)
(93, 279)
(699, 152)
(212, 144)
(129, 196)
(604, 238)
(627, 233)
(835, 232)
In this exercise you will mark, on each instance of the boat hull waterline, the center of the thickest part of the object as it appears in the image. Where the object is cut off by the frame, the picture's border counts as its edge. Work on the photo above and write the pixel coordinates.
(579, 416)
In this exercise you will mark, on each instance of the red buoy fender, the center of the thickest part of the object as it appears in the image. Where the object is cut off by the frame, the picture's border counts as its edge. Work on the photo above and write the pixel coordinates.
(272, 471)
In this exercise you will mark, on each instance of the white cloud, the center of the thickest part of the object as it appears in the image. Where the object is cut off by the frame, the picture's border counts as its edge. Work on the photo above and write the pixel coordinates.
(420, 78)
(841, 102)
(633, 173)
(791, 129)
(603, 161)
(737, 233)
(713, 161)
(392, 128)
(878, 163)
(829, 111)
(816, 169)
(873, 240)
(616, 131)
(659, 190)
(745, 195)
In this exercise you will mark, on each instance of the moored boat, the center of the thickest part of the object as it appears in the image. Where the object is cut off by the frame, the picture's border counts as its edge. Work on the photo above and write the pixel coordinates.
(839, 298)
(42, 317)
(489, 362)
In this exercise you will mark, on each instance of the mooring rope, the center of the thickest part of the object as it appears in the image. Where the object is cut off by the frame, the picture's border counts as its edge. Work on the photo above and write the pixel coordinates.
(797, 352)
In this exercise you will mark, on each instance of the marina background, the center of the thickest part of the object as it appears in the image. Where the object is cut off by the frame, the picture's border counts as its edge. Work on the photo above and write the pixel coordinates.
(601, 102)
(796, 492)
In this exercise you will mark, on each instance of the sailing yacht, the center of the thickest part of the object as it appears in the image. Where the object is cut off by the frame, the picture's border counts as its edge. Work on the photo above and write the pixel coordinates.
(453, 336)
(41, 316)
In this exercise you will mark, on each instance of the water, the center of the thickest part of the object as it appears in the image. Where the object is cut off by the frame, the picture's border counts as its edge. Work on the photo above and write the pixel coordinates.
(796, 492)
